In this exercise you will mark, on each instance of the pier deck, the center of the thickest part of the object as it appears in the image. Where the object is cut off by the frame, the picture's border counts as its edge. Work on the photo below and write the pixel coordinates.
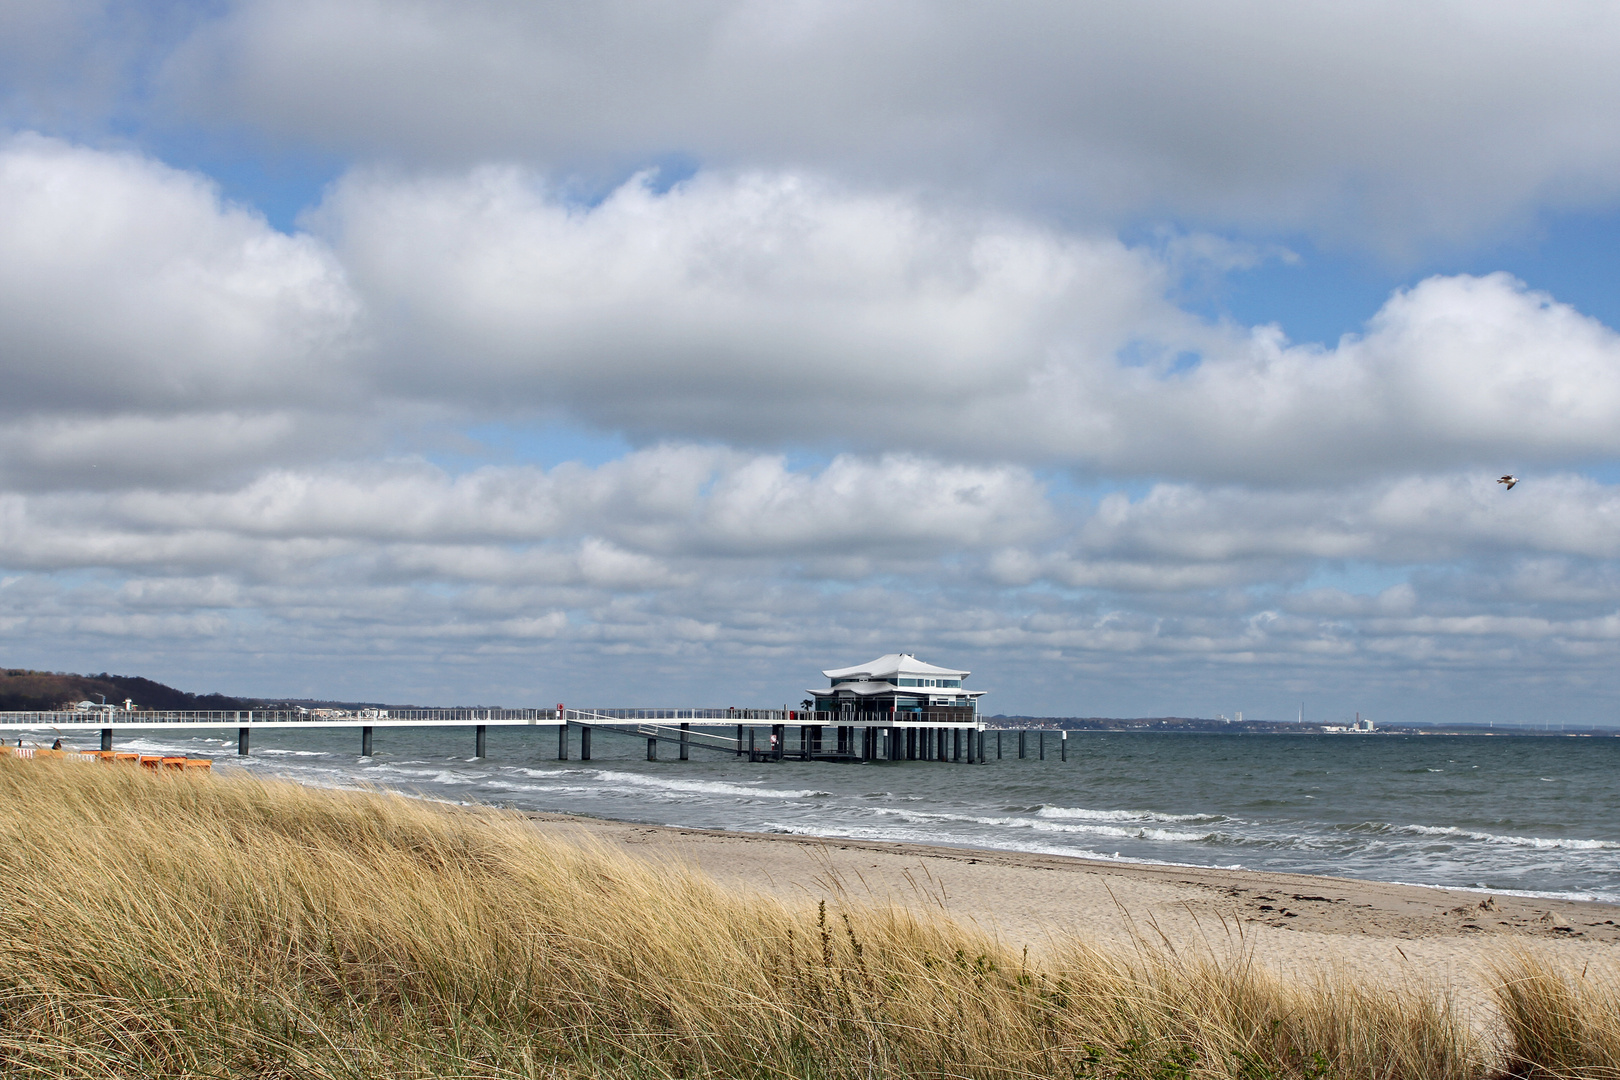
(953, 735)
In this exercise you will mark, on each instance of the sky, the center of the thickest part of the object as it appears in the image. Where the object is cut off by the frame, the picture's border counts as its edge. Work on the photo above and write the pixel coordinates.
(1143, 358)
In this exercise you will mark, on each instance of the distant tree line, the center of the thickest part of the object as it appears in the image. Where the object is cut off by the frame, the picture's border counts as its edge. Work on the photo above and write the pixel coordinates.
(22, 690)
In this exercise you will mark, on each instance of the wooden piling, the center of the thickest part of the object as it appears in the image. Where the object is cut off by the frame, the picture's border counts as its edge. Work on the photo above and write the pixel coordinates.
(106, 738)
(686, 742)
(1063, 747)
(1043, 744)
(562, 741)
(1023, 743)
(242, 741)
(365, 741)
(652, 748)
(478, 741)
(584, 742)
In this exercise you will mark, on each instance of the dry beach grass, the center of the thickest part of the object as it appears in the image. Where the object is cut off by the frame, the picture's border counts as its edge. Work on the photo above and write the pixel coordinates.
(160, 925)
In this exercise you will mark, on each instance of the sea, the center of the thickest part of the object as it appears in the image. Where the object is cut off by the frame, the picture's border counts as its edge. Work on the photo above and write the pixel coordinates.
(1534, 816)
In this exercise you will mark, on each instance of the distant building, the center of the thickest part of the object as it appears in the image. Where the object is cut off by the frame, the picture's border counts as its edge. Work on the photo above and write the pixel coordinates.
(1361, 726)
(898, 683)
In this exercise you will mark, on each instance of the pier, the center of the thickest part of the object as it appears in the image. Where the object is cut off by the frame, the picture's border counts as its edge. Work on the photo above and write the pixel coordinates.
(760, 735)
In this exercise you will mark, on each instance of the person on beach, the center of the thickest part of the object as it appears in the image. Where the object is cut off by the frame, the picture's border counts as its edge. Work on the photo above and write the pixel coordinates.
(57, 745)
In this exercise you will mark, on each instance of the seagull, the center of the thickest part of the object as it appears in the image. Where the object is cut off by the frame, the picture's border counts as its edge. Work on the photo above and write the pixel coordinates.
(1509, 481)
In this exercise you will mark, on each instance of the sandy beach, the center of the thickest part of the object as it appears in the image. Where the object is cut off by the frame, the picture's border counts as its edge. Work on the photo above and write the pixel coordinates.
(1293, 923)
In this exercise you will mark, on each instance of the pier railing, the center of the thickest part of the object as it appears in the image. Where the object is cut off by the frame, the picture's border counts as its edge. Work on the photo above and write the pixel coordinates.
(812, 718)
(314, 717)
(618, 717)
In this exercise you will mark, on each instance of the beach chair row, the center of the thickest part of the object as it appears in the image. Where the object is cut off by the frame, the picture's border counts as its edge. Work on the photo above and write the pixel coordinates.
(145, 761)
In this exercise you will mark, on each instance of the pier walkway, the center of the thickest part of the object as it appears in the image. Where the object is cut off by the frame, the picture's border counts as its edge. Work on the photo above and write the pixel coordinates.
(954, 735)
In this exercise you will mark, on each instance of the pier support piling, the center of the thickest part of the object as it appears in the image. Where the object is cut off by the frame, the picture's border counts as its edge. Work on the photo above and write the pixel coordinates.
(686, 742)
(106, 738)
(478, 741)
(365, 741)
(584, 742)
(1063, 747)
(652, 748)
(739, 742)
(1023, 743)
(242, 741)
(562, 741)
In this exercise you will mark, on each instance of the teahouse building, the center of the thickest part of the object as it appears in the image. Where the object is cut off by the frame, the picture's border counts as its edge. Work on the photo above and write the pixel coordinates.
(898, 684)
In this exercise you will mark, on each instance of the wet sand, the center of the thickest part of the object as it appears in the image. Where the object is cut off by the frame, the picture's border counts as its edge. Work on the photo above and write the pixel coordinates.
(1293, 923)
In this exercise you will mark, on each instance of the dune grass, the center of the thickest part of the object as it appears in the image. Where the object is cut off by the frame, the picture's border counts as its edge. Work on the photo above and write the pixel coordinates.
(174, 925)
(1561, 1021)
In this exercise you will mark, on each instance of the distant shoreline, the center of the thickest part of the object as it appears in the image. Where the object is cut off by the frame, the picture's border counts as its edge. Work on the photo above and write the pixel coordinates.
(1178, 726)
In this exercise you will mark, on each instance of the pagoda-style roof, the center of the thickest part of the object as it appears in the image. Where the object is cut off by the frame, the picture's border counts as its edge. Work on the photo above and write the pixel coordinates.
(892, 666)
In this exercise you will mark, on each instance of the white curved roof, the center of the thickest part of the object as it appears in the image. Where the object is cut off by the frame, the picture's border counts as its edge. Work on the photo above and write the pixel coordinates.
(891, 666)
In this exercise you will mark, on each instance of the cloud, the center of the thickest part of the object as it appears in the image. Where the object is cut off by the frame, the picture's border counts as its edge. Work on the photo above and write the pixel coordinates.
(863, 419)
(1412, 520)
(128, 286)
(1390, 123)
(768, 311)
(752, 306)
(718, 303)
(671, 501)
(702, 552)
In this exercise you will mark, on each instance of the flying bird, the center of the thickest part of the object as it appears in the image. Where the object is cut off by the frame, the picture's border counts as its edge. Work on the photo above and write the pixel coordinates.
(1509, 481)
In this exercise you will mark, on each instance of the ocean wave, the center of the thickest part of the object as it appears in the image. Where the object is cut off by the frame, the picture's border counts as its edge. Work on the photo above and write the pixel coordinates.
(708, 787)
(1118, 832)
(547, 774)
(1540, 842)
(450, 779)
(1085, 814)
(1590, 896)
(856, 832)
(548, 789)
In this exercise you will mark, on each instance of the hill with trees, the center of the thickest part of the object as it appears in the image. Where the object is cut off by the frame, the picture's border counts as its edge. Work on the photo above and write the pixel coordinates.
(22, 690)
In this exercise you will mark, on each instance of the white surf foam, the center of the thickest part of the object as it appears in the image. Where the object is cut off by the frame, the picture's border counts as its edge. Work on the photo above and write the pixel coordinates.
(708, 787)
(1541, 842)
